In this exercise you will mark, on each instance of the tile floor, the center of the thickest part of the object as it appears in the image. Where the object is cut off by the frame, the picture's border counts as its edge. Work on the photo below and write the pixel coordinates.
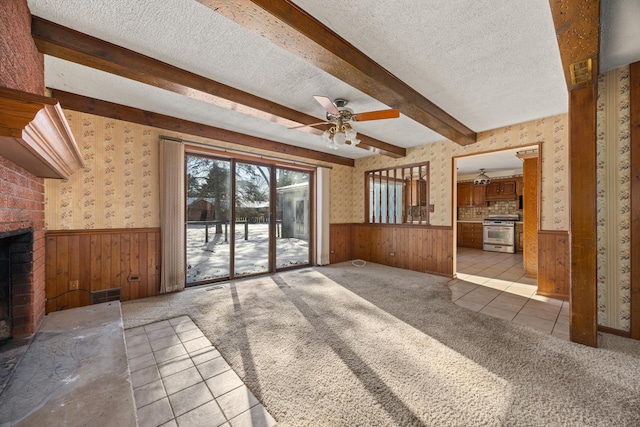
(180, 379)
(494, 283)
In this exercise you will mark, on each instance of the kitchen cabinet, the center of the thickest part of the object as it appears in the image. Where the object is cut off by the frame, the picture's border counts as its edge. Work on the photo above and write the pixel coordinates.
(470, 194)
(418, 193)
(519, 238)
(502, 189)
(519, 186)
(470, 235)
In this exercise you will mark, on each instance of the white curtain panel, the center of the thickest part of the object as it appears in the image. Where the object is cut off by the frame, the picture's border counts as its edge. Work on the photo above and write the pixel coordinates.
(323, 182)
(172, 216)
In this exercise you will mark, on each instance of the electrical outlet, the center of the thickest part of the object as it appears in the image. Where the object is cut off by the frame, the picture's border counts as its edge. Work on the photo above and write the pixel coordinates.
(392, 254)
(432, 208)
(73, 285)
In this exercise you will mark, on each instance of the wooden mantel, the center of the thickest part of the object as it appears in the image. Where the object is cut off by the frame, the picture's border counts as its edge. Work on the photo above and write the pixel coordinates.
(35, 135)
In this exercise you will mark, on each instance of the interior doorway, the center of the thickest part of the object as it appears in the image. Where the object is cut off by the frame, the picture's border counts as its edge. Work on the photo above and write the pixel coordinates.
(245, 218)
(501, 198)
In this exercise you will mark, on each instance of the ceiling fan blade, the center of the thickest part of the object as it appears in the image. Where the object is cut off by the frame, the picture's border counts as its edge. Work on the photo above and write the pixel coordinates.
(310, 124)
(377, 115)
(327, 104)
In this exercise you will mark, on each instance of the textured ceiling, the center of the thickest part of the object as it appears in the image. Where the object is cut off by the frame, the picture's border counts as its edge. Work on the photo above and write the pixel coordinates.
(488, 64)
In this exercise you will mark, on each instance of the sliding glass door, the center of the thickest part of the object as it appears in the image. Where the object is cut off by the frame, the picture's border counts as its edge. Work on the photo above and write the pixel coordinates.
(208, 212)
(245, 218)
(293, 218)
(252, 235)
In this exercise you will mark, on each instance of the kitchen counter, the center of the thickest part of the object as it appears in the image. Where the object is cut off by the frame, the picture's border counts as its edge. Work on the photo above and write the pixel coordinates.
(471, 220)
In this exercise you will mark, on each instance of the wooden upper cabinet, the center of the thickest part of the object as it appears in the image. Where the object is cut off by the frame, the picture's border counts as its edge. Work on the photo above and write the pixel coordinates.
(479, 195)
(519, 186)
(470, 194)
(464, 193)
(502, 189)
(418, 193)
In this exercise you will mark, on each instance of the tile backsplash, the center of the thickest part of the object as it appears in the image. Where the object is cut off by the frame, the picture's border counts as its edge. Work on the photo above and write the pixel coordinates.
(467, 213)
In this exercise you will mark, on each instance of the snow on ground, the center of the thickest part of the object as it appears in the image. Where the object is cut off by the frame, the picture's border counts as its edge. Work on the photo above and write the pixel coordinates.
(207, 261)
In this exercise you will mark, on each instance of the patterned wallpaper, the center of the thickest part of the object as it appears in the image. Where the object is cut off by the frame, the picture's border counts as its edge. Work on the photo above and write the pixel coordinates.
(613, 199)
(551, 133)
(119, 186)
(341, 206)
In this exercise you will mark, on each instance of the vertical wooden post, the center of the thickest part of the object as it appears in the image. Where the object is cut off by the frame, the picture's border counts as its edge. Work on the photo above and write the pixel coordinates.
(582, 164)
(577, 24)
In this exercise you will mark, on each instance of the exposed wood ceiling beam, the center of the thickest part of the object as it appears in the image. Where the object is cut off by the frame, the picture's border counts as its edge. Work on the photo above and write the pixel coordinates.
(98, 107)
(62, 42)
(293, 29)
(577, 24)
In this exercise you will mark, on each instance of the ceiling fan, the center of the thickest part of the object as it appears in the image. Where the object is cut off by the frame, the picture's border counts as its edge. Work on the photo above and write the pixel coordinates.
(339, 116)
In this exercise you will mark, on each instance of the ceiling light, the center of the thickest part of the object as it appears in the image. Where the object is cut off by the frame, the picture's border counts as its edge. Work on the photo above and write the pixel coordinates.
(482, 179)
(340, 134)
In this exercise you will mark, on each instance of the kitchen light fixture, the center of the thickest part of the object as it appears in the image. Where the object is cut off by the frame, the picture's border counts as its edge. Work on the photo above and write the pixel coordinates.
(340, 134)
(482, 179)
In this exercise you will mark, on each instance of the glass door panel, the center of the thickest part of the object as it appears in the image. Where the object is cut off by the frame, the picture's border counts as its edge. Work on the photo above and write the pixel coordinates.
(208, 211)
(293, 218)
(252, 219)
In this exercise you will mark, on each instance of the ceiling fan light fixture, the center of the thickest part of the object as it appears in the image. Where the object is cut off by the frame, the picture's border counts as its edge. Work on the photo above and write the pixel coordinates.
(350, 133)
(340, 138)
(482, 179)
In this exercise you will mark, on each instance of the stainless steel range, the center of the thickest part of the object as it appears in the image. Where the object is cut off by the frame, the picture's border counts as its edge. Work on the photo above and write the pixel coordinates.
(498, 233)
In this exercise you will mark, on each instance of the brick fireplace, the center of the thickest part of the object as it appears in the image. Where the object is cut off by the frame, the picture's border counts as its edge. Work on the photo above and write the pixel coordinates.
(35, 143)
(22, 250)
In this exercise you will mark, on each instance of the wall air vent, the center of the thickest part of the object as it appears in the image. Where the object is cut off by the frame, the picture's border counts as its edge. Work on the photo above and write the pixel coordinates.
(105, 295)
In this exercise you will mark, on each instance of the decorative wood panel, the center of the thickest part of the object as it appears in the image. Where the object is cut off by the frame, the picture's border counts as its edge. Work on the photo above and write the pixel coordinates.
(553, 264)
(424, 249)
(79, 262)
(339, 243)
(34, 134)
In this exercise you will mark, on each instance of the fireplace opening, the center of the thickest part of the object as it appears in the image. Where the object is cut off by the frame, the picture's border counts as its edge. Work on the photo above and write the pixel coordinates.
(16, 288)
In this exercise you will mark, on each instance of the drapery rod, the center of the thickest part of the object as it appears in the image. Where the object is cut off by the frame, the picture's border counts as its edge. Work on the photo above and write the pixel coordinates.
(233, 150)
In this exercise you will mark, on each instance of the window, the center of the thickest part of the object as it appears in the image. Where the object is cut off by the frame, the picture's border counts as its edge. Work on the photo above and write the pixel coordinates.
(398, 195)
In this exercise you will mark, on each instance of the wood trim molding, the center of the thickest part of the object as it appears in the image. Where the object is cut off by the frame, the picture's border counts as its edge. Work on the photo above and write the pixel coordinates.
(35, 135)
(634, 83)
(291, 28)
(101, 231)
(160, 121)
(68, 44)
(613, 331)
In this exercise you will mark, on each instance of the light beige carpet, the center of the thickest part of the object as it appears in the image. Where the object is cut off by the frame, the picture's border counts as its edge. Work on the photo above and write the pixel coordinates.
(364, 346)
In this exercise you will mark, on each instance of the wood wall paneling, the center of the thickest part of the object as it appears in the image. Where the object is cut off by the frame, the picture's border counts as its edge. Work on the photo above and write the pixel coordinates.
(100, 260)
(419, 248)
(634, 83)
(553, 264)
(339, 243)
